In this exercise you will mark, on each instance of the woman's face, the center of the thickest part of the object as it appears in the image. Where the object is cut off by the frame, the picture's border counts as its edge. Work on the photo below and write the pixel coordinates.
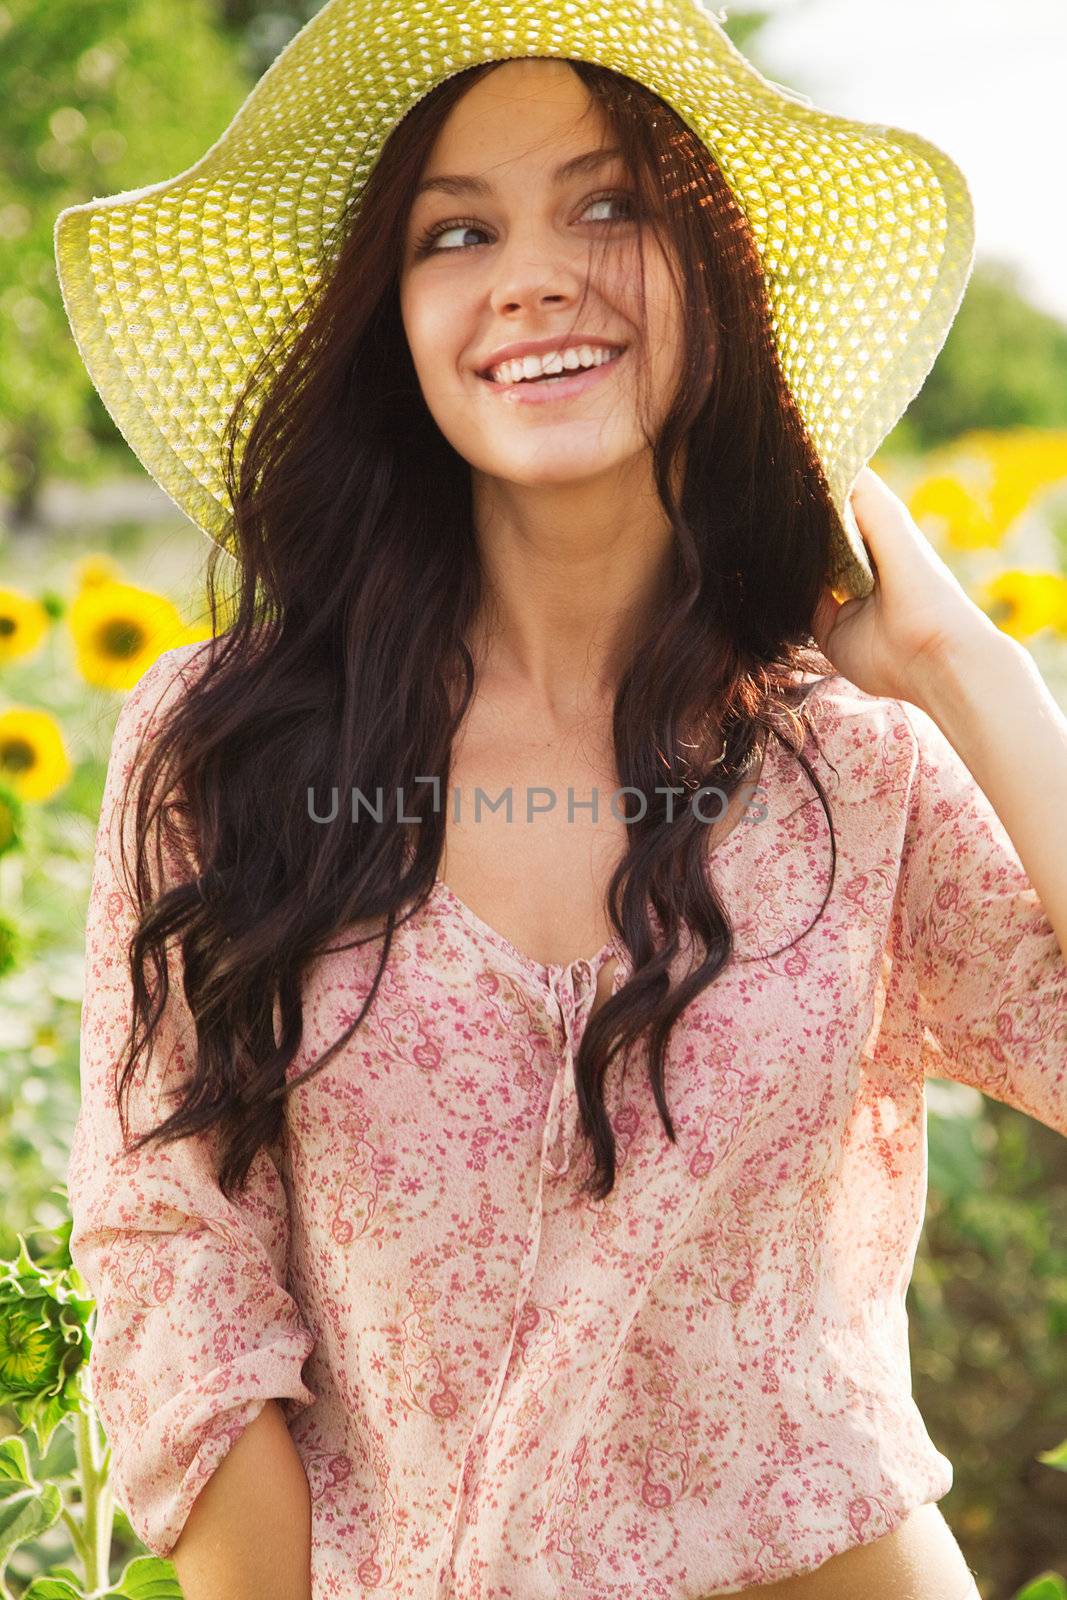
(508, 265)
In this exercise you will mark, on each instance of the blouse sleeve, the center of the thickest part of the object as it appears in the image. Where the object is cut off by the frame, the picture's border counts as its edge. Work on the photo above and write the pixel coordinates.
(194, 1328)
(990, 975)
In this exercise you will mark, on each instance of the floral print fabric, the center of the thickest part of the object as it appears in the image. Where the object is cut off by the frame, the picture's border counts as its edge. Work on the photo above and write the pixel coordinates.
(499, 1387)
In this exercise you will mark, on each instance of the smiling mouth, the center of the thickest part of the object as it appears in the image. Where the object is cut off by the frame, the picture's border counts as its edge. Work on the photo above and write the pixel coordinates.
(554, 377)
(532, 395)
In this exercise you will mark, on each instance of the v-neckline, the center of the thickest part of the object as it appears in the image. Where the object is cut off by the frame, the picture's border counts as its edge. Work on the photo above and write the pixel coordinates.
(547, 972)
(542, 969)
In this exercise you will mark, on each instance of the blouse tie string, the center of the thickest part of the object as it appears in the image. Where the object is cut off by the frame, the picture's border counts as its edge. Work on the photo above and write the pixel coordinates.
(572, 990)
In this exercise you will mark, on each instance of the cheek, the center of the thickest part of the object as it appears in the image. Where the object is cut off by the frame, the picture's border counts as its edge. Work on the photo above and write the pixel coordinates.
(664, 309)
(667, 324)
(421, 315)
(434, 327)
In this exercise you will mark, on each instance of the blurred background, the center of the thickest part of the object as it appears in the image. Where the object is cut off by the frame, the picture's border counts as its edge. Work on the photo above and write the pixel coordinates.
(100, 573)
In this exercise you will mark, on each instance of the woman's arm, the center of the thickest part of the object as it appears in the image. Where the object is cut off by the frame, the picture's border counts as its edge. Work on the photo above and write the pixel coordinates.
(992, 704)
(248, 1535)
(919, 637)
(195, 1326)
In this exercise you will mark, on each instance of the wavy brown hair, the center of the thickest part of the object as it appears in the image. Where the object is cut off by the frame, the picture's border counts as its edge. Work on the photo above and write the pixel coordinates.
(345, 664)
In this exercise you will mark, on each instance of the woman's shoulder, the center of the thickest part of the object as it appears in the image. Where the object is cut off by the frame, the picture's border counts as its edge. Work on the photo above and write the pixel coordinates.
(147, 703)
(162, 683)
(172, 667)
(867, 738)
(840, 706)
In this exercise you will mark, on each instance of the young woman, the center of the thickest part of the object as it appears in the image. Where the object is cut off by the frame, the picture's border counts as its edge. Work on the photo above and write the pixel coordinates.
(538, 1205)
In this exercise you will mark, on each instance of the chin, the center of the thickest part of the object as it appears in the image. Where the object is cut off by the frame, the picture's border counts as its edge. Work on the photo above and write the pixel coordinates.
(558, 477)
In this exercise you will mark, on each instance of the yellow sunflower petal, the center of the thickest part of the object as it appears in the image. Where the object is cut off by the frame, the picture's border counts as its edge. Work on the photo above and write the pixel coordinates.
(1008, 470)
(119, 630)
(23, 624)
(33, 757)
(1022, 603)
(97, 568)
(947, 509)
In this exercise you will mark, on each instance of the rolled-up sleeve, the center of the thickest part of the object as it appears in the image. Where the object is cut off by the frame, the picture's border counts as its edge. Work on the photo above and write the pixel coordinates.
(194, 1329)
(990, 976)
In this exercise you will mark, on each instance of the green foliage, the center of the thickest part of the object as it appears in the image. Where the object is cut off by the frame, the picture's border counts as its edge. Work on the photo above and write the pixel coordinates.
(987, 1308)
(744, 27)
(1049, 1586)
(27, 1507)
(260, 31)
(95, 98)
(1003, 365)
(145, 1578)
(44, 1344)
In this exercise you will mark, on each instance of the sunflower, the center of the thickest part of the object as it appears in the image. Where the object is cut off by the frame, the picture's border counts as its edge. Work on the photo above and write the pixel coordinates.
(978, 487)
(120, 630)
(33, 758)
(1022, 603)
(23, 624)
(1026, 461)
(944, 505)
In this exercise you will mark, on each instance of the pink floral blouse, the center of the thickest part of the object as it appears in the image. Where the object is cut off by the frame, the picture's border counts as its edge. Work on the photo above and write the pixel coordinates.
(500, 1388)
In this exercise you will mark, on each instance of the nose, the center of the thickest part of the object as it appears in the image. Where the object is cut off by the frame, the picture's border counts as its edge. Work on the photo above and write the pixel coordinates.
(527, 278)
(514, 300)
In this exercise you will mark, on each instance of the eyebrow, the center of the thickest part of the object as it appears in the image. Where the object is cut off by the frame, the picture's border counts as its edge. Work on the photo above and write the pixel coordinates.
(466, 183)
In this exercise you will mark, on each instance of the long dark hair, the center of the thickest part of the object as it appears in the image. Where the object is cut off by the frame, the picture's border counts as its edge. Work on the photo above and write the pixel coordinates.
(355, 582)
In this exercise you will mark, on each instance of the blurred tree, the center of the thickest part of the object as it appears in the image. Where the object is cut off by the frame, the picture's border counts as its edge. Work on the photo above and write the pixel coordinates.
(1003, 365)
(262, 28)
(96, 96)
(744, 27)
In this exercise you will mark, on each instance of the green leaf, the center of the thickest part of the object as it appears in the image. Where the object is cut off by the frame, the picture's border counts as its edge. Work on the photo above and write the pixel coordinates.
(145, 1578)
(1047, 1586)
(149, 1578)
(1056, 1457)
(27, 1508)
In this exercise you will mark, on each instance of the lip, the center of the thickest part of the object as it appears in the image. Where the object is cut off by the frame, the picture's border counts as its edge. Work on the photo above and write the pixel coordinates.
(540, 394)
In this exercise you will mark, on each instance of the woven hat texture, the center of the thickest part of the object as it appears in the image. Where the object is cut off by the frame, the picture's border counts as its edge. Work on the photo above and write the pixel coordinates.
(865, 232)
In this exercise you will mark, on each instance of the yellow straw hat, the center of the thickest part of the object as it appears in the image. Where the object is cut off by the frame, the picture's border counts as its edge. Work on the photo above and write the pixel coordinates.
(865, 232)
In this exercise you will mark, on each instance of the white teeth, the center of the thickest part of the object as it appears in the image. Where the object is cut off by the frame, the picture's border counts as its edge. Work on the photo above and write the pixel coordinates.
(530, 367)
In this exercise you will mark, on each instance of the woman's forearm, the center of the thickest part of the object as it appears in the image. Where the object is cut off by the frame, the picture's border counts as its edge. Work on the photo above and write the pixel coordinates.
(248, 1535)
(992, 704)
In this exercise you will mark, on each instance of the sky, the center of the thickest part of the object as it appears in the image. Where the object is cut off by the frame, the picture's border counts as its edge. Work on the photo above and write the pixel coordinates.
(987, 82)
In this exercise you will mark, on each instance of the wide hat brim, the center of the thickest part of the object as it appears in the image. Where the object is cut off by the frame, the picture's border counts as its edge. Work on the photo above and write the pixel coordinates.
(865, 232)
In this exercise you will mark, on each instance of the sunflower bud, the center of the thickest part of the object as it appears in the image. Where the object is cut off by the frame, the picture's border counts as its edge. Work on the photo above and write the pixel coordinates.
(44, 1342)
